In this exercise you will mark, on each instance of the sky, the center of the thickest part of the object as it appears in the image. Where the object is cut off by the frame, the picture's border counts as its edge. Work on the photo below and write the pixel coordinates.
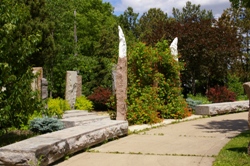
(141, 6)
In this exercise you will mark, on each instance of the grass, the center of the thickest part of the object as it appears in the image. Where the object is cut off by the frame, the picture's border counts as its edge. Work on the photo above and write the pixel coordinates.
(234, 153)
(15, 136)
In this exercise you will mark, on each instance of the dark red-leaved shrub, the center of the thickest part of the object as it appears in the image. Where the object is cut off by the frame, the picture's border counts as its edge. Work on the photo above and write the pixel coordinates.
(100, 97)
(220, 94)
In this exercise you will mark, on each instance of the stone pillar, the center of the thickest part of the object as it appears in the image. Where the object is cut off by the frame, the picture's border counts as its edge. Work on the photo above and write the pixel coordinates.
(71, 88)
(44, 88)
(79, 86)
(121, 78)
(247, 89)
(246, 86)
(36, 84)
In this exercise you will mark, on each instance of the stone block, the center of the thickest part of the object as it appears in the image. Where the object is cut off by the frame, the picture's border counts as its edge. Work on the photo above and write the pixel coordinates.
(221, 108)
(36, 84)
(71, 88)
(48, 148)
(79, 86)
(44, 88)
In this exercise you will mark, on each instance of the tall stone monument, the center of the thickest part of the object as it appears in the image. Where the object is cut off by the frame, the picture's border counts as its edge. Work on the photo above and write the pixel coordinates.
(71, 87)
(174, 49)
(246, 86)
(121, 78)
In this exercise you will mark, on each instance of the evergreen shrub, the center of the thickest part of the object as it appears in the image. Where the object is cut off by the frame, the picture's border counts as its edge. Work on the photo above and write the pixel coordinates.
(82, 103)
(56, 107)
(220, 94)
(45, 125)
(193, 103)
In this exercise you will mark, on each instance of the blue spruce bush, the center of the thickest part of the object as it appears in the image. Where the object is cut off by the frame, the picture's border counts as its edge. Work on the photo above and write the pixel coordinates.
(45, 125)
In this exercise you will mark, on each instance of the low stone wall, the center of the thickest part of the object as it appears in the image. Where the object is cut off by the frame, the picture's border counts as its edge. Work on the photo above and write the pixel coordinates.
(221, 108)
(48, 148)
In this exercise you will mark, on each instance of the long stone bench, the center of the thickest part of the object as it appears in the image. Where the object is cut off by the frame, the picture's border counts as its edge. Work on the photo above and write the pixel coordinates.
(48, 148)
(221, 108)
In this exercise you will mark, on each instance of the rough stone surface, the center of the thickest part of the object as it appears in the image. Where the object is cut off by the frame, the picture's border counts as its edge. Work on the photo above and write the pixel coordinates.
(48, 148)
(247, 89)
(121, 88)
(71, 87)
(81, 120)
(36, 84)
(221, 108)
(44, 88)
(79, 86)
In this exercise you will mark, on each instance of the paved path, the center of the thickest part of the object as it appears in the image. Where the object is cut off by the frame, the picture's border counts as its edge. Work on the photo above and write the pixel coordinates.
(190, 143)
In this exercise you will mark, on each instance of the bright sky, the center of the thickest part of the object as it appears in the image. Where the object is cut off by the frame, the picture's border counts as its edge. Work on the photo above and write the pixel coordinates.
(141, 6)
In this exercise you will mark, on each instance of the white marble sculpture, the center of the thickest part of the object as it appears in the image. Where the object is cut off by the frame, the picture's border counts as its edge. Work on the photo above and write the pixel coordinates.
(173, 48)
(122, 44)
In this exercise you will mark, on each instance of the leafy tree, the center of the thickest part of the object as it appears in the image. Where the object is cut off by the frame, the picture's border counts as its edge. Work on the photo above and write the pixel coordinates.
(20, 39)
(129, 21)
(96, 42)
(152, 25)
(240, 3)
(191, 11)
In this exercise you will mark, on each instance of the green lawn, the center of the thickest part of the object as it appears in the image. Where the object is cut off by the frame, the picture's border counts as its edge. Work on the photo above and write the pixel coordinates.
(235, 152)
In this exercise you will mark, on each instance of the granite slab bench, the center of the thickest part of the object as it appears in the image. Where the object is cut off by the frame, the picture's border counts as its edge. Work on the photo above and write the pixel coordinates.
(48, 148)
(221, 108)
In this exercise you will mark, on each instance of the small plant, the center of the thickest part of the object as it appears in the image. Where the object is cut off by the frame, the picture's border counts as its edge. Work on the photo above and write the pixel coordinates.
(220, 94)
(100, 97)
(193, 103)
(45, 125)
(56, 107)
(82, 103)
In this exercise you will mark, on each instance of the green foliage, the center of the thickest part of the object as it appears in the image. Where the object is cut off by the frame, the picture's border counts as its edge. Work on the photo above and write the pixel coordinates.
(193, 103)
(153, 85)
(92, 53)
(82, 103)
(199, 97)
(235, 85)
(45, 125)
(234, 152)
(20, 38)
(56, 107)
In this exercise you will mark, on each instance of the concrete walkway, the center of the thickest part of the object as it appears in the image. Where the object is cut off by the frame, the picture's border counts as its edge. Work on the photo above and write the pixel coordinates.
(189, 143)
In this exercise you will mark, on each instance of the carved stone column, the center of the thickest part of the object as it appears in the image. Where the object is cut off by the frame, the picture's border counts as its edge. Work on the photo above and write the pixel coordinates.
(121, 78)
(246, 86)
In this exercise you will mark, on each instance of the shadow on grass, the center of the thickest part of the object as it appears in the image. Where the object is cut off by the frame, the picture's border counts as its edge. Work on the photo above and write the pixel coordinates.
(15, 136)
(238, 149)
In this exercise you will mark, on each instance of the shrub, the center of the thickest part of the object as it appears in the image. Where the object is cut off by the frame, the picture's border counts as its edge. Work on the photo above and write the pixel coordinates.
(193, 103)
(100, 97)
(56, 107)
(220, 94)
(45, 125)
(199, 97)
(82, 103)
(154, 85)
(235, 86)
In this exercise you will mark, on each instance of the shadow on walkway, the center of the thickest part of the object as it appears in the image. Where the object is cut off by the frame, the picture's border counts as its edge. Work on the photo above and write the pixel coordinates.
(225, 126)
